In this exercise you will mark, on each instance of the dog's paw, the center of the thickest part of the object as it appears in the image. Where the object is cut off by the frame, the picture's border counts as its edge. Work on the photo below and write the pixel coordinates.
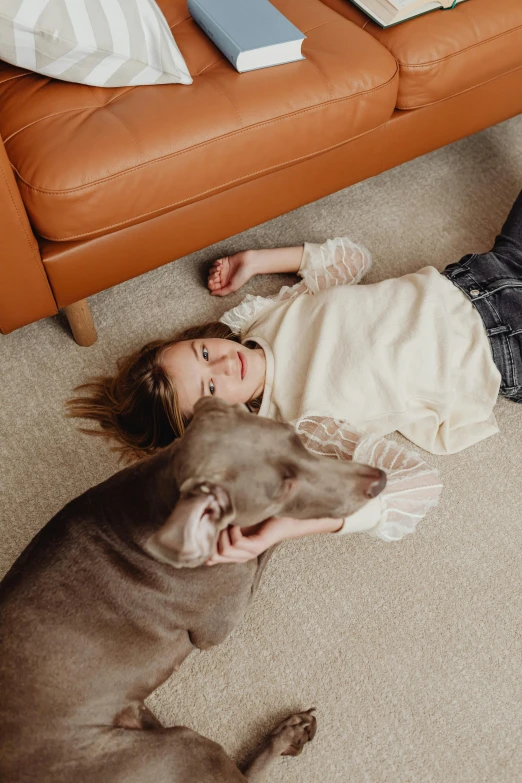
(290, 737)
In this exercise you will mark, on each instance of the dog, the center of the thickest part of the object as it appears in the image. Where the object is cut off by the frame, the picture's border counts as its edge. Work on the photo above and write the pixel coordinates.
(112, 595)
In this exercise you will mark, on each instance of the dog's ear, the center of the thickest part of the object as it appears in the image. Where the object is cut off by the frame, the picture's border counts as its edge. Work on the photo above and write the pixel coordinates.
(188, 536)
(198, 487)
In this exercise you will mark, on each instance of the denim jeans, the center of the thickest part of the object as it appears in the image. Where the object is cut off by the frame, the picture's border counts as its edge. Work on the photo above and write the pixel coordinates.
(493, 283)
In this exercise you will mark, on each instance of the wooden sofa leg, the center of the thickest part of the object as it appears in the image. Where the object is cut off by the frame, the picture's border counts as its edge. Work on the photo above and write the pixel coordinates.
(81, 323)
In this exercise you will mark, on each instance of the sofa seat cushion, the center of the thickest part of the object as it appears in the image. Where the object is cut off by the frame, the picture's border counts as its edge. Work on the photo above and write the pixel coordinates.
(92, 160)
(445, 53)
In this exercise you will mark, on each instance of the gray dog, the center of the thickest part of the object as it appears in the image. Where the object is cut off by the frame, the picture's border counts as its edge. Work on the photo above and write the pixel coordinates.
(109, 599)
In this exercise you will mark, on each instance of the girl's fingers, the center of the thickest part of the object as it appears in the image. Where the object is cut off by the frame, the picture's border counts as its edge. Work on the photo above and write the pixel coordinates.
(233, 547)
(219, 277)
(228, 543)
(236, 557)
(215, 282)
(215, 270)
(222, 291)
(253, 544)
(239, 541)
(215, 559)
(223, 542)
(224, 271)
(218, 265)
(235, 534)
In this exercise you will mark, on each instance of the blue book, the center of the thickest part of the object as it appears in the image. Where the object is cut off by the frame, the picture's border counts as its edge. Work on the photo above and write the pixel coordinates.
(251, 34)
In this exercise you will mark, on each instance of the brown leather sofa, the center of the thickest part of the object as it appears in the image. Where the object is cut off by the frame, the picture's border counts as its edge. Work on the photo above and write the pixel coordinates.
(100, 185)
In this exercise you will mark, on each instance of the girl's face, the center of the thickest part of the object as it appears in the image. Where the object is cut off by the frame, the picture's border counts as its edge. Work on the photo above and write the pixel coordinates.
(214, 367)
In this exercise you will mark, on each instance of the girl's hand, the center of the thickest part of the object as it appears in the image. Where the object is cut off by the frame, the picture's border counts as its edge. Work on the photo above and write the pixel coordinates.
(228, 274)
(238, 545)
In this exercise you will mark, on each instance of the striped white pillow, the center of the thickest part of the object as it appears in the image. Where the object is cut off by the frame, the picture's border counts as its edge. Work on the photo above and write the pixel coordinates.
(105, 43)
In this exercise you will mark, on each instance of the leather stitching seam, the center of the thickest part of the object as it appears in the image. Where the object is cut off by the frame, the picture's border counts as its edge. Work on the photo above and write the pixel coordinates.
(16, 76)
(460, 52)
(48, 117)
(191, 199)
(124, 91)
(210, 65)
(209, 142)
(321, 74)
(129, 131)
(230, 100)
(470, 20)
(449, 97)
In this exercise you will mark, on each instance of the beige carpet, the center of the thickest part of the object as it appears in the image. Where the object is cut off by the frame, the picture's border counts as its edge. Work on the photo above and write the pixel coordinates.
(411, 652)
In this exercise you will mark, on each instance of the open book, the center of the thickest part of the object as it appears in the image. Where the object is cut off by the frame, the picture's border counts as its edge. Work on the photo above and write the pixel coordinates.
(389, 12)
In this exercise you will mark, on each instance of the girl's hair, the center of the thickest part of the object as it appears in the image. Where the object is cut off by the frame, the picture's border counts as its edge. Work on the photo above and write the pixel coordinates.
(138, 407)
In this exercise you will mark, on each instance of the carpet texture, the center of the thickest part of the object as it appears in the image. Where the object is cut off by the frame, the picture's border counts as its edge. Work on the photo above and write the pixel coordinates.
(411, 652)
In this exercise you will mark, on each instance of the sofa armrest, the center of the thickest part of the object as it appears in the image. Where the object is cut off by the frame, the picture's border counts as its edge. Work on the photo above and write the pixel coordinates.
(25, 293)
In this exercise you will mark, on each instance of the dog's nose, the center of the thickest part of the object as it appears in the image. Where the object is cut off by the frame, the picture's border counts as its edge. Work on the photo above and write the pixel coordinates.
(377, 482)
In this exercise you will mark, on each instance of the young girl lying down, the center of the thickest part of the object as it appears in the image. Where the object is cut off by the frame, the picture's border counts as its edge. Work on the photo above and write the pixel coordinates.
(425, 354)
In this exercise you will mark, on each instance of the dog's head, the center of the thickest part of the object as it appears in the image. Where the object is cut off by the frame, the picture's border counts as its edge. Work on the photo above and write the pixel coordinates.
(234, 466)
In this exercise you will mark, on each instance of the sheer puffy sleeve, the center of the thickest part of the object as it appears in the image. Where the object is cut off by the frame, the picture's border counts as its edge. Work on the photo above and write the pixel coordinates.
(337, 261)
(241, 317)
(412, 487)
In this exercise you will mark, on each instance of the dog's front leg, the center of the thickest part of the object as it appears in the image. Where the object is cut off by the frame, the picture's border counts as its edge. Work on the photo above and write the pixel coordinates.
(287, 739)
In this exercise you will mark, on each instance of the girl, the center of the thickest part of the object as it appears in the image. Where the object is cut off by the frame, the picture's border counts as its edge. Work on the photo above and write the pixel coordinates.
(425, 354)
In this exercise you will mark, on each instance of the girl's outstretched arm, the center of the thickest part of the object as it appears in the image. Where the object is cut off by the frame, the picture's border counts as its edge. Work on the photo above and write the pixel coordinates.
(229, 273)
(337, 261)
(237, 545)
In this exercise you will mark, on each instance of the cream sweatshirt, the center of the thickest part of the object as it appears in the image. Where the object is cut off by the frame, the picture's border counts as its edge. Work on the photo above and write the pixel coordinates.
(409, 354)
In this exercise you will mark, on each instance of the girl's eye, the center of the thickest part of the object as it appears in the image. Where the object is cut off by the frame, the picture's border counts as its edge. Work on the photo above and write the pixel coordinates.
(205, 354)
(211, 387)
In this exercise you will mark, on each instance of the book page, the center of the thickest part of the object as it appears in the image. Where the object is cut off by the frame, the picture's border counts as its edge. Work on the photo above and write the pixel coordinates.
(400, 4)
(385, 13)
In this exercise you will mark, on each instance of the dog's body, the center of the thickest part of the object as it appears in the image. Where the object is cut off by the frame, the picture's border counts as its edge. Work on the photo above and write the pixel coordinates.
(97, 613)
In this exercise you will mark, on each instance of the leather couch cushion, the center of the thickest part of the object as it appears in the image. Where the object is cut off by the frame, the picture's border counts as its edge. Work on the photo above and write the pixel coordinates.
(444, 53)
(92, 160)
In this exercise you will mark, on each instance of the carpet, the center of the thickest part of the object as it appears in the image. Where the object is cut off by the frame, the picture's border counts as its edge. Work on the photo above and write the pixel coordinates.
(411, 652)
